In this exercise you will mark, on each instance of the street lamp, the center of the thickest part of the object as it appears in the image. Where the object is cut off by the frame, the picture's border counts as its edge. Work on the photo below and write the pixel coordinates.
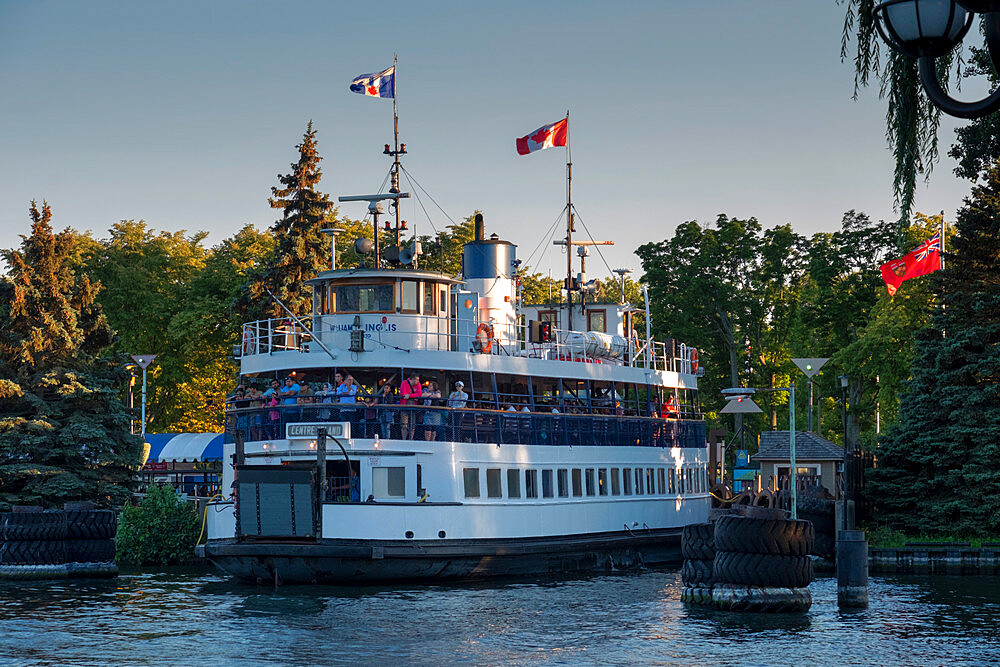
(847, 462)
(740, 402)
(929, 29)
(144, 360)
(810, 366)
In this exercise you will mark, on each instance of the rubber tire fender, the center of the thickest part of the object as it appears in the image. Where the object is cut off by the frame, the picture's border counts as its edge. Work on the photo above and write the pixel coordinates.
(91, 524)
(32, 526)
(781, 537)
(762, 569)
(698, 541)
(32, 552)
(697, 573)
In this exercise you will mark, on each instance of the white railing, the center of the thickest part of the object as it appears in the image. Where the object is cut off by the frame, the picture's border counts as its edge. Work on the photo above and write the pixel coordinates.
(427, 332)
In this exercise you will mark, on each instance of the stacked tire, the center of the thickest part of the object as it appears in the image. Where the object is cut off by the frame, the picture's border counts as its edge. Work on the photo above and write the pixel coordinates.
(762, 564)
(698, 550)
(32, 537)
(90, 535)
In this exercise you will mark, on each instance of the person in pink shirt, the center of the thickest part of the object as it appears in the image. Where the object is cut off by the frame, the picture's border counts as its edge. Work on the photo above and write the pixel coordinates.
(410, 392)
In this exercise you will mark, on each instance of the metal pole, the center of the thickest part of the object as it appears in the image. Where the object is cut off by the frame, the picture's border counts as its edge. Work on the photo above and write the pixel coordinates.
(569, 230)
(791, 449)
(847, 460)
(810, 405)
(649, 339)
(144, 404)
(321, 466)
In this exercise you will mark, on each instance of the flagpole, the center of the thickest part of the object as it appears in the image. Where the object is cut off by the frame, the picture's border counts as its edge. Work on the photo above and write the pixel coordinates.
(569, 229)
(395, 143)
(941, 249)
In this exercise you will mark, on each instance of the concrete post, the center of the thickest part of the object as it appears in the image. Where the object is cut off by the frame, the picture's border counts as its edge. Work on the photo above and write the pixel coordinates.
(852, 569)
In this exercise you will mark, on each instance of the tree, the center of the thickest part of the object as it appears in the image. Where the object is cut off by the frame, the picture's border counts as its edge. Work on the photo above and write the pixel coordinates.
(302, 251)
(64, 432)
(444, 254)
(937, 465)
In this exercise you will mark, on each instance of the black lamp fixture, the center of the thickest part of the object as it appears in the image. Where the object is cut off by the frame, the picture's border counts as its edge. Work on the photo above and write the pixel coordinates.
(929, 29)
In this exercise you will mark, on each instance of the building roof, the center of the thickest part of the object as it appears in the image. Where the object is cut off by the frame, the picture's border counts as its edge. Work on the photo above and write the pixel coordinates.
(184, 446)
(808, 447)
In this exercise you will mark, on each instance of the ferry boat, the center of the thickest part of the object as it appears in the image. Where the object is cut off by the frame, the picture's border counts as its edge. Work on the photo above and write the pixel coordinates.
(547, 450)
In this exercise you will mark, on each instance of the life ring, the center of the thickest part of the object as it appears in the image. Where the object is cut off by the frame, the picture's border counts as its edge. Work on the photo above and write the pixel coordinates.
(694, 360)
(249, 341)
(484, 337)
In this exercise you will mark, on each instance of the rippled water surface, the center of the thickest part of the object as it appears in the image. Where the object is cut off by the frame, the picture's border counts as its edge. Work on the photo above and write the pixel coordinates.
(197, 618)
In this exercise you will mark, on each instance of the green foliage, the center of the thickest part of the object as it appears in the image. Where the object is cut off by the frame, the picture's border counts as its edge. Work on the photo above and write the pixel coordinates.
(302, 250)
(161, 530)
(63, 431)
(444, 254)
(937, 465)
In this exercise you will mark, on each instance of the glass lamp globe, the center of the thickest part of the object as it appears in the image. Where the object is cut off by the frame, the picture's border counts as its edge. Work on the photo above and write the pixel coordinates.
(923, 27)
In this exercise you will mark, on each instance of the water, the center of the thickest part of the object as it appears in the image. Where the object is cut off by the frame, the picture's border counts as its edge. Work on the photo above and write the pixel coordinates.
(199, 618)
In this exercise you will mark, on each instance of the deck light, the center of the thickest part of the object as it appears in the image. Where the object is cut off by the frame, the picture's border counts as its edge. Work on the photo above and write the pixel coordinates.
(930, 29)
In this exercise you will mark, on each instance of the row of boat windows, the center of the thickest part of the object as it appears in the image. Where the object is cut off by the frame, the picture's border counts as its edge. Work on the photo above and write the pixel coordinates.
(582, 482)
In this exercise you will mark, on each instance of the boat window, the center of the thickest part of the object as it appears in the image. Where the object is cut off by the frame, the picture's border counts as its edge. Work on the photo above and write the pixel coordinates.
(513, 483)
(602, 481)
(408, 295)
(530, 483)
(493, 483)
(616, 483)
(428, 298)
(638, 481)
(596, 320)
(388, 482)
(627, 477)
(443, 301)
(360, 299)
(551, 316)
(562, 480)
(546, 483)
(687, 485)
(471, 482)
(661, 480)
(671, 481)
(650, 482)
(590, 481)
(577, 483)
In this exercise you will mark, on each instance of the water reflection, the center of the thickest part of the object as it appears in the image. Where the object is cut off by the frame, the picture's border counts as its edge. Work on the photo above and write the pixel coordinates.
(158, 618)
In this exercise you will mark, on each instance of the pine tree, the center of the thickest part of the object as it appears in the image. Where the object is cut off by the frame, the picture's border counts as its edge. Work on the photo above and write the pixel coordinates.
(64, 433)
(937, 468)
(302, 251)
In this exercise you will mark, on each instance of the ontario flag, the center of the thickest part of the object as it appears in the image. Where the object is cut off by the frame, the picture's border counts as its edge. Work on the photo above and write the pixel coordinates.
(376, 84)
(546, 136)
(925, 259)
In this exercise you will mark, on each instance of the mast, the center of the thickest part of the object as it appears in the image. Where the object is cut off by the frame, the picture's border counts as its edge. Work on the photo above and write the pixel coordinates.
(569, 229)
(394, 187)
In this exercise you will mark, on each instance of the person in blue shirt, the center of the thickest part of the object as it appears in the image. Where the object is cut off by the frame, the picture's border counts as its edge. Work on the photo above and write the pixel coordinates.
(347, 391)
(290, 391)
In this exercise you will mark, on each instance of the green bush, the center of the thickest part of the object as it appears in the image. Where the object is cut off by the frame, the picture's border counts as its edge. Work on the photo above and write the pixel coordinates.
(161, 530)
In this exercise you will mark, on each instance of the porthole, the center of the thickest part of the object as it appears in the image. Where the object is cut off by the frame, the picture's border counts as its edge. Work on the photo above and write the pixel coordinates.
(409, 534)
(440, 533)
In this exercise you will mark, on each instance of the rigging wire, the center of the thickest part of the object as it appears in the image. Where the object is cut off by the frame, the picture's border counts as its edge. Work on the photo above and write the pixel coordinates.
(610, 270)
(419, 201)
(409, 176)
(545, 238)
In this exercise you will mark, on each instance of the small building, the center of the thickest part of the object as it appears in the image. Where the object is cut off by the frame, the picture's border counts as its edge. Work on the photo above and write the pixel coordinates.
(816, 459)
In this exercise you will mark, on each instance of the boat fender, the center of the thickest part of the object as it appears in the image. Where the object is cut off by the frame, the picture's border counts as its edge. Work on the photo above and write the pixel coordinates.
(484, 336)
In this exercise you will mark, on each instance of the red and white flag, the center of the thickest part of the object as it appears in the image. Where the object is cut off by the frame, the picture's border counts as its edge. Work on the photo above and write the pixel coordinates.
(925, 259)
(546, 136)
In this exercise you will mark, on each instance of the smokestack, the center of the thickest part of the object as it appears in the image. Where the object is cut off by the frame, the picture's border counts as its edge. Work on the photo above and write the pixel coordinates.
(480, 227)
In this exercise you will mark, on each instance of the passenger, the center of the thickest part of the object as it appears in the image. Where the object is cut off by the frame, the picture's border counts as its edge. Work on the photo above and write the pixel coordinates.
(432, 418)
(510, 408)
(290, 391)
(386, 416)
(457, 400)
(670, 408)
(347, 398)
(306, 393)
(409, 392)
(273, 415)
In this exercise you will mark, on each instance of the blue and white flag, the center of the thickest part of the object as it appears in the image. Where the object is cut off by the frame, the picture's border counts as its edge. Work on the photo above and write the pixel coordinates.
(377, 84)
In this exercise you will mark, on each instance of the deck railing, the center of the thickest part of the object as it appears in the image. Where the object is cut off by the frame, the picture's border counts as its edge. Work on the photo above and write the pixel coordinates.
(450, 334)
(407, 422)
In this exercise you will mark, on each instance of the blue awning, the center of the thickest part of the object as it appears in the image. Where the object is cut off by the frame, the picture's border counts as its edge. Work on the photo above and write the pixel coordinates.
(185, 446)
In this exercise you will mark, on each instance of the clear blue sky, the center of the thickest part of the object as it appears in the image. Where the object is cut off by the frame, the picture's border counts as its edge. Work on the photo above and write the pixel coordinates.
(183, 113)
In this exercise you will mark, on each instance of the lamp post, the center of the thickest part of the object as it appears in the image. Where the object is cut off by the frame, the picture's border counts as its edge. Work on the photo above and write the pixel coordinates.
(929, 29)
(740, 402)
(847, 460)
(810, 366)
(143, 360)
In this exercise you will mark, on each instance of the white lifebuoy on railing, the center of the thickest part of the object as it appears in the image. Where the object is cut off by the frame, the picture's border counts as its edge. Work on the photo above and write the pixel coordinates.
(249, 341)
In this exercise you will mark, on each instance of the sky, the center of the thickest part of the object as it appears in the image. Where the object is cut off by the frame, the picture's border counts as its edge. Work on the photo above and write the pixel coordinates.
(183, 114)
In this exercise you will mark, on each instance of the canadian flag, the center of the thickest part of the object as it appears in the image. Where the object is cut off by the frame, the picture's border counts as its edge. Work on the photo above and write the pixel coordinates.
(546, 136)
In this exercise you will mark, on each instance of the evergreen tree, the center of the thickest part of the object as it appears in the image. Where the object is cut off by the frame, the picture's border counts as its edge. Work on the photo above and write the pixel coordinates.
(63, 430)
(302, 251)
(937, 469)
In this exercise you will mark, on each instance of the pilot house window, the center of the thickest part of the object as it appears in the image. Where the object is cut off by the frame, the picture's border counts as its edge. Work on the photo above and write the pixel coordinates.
(360, 298)
(408, 295)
